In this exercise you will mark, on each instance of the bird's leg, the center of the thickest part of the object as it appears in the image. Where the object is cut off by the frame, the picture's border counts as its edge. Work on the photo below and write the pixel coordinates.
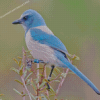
(52, 68)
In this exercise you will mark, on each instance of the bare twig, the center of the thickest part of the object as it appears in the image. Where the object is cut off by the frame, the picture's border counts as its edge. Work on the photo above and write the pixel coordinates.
(62, 81)
(22, 77)
(26, 88)
(23, 60)
(38, 80)
(42, 77)
(55, 78)
(33, 87)
(45, 76)
(33, 72)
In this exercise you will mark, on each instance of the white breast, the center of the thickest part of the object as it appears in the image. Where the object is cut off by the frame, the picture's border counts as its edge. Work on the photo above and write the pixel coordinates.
(40, 51)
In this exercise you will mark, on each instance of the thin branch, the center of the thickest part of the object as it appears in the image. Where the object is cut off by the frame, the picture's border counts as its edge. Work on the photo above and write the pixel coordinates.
(42, 77)
(23, 61)
(26, 88)
(38, 80)
(33, 72)
(33, 87)
(61, 83)
(23, 93)
(22, 77)
(55, 78)
(45, 76)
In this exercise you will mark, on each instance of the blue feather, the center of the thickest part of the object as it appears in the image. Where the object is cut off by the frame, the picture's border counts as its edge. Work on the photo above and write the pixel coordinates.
(31, 19)
(55, 43)
(47, 39)
(65, 63)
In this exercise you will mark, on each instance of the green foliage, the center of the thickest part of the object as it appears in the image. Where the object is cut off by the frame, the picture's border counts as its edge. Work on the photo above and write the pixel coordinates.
(37, 79)
(17, 92)
(19, 81)
(1, 94)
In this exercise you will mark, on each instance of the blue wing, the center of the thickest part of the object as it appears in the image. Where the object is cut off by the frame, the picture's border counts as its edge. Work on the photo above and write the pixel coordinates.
(48, 39)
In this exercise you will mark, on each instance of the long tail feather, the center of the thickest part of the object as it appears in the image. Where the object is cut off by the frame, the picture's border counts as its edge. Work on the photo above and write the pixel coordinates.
(82, 76)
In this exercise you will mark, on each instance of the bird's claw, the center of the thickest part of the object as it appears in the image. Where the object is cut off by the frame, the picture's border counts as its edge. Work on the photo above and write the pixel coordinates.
(48, 86)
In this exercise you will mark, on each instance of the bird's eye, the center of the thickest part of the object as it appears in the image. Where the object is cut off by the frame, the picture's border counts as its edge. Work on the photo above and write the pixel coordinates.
(25, 18)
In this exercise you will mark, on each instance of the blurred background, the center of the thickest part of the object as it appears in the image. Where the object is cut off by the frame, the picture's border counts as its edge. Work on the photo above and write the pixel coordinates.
(75, 22)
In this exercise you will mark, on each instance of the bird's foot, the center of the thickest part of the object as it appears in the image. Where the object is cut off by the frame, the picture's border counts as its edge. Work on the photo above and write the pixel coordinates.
(48, 86)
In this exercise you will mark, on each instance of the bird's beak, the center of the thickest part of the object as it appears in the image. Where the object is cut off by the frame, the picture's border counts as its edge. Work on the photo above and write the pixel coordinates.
(18, 21)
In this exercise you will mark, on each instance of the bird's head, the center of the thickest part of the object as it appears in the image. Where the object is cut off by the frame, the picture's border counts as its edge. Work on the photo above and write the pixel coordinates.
(30, 18)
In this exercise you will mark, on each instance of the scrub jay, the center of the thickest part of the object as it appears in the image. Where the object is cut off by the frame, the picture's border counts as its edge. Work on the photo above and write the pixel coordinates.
(45, 46)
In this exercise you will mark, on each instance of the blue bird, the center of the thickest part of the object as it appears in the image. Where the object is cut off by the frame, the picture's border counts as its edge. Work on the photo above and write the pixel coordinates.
(45, 46)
